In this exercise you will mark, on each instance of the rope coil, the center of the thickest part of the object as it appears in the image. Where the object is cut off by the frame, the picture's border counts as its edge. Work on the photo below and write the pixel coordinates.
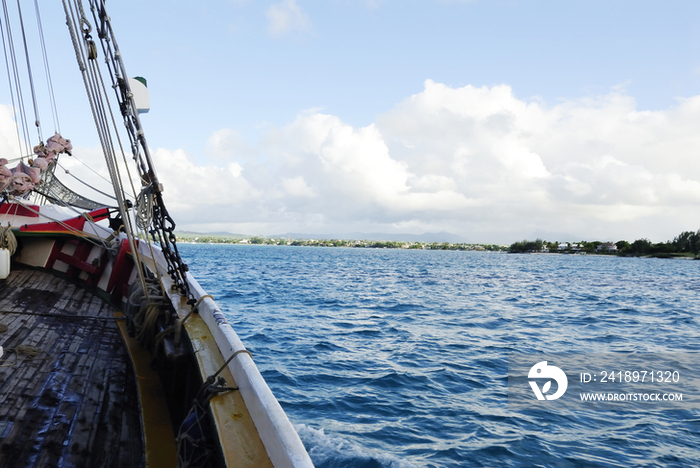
(28, 350)
(7, 239)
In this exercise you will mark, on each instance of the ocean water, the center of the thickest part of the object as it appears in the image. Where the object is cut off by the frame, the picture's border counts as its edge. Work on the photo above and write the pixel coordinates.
(398, 358)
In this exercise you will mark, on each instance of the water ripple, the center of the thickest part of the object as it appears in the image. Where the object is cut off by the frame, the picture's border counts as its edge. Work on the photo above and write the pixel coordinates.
(393, 359)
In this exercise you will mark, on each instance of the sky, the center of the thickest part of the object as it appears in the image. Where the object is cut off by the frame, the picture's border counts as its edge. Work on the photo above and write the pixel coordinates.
(494, 121)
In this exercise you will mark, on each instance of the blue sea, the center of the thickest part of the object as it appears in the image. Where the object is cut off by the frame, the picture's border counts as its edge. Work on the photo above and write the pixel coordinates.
(399, 358)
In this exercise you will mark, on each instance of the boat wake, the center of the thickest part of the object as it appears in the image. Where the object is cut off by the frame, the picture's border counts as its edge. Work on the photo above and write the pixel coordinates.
(335, 452)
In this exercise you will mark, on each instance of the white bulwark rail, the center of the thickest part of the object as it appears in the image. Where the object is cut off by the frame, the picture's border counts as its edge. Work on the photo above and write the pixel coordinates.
(281, 440)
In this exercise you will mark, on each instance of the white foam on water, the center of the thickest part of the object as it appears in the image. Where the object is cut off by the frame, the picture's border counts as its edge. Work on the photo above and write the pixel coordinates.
(336, 451)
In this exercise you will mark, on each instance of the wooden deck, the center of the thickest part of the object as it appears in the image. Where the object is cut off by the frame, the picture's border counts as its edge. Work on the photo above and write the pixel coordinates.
(74, 404)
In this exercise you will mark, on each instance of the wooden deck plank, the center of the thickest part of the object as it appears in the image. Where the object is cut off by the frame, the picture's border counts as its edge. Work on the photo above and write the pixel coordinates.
(75, 404)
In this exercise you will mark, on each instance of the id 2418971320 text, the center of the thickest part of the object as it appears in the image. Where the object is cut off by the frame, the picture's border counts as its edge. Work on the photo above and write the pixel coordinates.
(620, 376)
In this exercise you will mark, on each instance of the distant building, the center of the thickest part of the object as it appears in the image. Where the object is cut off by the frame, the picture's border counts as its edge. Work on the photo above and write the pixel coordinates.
(606, 247)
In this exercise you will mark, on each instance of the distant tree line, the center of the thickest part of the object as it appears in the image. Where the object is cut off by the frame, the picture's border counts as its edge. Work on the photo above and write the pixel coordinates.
(262, 240)
(527, 246)
(687, 243)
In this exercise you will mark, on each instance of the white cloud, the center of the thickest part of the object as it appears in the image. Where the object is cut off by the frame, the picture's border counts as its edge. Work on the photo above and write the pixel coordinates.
(297, 187)
(479, 162)
(473, 161)
(198, 194)
(8, 133)
(358, 165)
(286, 17)
(227, 144)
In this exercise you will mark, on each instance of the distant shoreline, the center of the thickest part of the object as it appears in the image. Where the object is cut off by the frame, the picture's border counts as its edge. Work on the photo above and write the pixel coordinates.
(356, 243)
(502, 251)
(574, 249)
(685, 245)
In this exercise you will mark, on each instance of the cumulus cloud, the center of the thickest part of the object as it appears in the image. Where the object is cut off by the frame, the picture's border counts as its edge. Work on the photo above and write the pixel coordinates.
(475, 161)
(8, 134)
(297, 187)
(191, 187)
(286, 17)
(226, 143)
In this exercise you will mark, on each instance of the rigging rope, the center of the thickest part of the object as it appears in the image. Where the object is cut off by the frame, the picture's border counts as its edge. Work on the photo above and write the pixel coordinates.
(162, 230)
(151, 219)
(90, 73)
(93, 171)
(144, 209)
(15, 80)
(29, 70)
(76, 232)
(86, 184)
(47, 69)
